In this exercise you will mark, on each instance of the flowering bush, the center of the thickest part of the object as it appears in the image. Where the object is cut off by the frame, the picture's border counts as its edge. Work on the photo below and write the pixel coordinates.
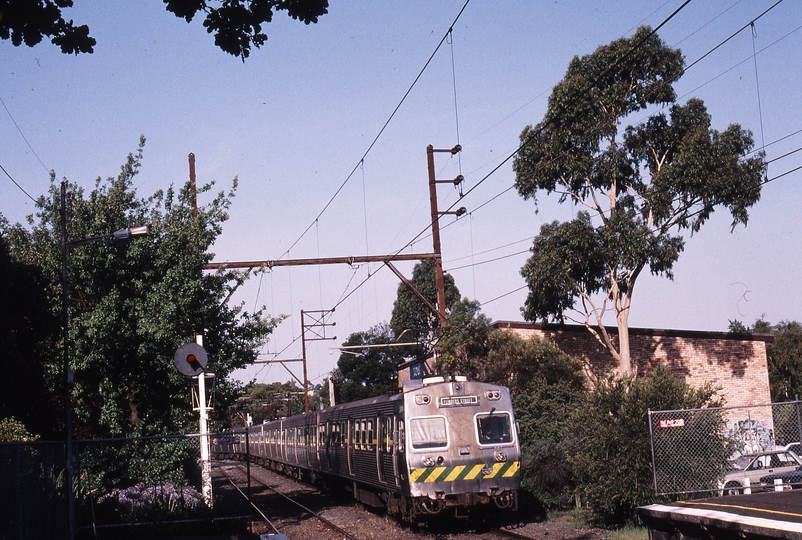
(138, 501)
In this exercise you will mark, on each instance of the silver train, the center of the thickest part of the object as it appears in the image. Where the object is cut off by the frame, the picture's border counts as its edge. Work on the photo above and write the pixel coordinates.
(439, 444)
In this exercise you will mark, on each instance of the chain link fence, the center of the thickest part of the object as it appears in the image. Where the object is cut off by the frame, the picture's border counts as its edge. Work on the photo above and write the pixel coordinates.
(145, 487)
(33, 502)
(726, 450)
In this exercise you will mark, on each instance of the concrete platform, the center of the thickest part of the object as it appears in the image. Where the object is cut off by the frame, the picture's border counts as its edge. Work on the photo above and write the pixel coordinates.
(756, 516)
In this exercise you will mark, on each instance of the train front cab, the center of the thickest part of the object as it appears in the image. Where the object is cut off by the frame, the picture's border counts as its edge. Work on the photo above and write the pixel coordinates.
(462, 445)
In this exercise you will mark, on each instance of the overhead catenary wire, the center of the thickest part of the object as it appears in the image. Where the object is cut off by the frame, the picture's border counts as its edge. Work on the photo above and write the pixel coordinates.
(381, 131)
(512, 154)
(417, 237)
(17, 184)
(505, 160)
(24, 138)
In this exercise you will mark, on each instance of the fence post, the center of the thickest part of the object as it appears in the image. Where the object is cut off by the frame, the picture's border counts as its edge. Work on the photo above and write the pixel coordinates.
(651, 444)
(248, 473)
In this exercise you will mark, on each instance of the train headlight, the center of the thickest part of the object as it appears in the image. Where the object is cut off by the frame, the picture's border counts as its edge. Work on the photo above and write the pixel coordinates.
(422, 399)
(493, 395)
(427, 461)
(501, 457)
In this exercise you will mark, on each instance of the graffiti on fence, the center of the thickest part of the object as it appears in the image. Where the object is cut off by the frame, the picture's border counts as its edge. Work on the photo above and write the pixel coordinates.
(752, 435)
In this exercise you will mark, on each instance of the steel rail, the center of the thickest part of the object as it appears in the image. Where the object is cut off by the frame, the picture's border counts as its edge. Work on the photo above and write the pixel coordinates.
(328, 523)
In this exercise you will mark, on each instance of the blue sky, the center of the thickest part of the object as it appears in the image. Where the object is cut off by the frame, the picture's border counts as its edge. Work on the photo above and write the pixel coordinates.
(295, 120)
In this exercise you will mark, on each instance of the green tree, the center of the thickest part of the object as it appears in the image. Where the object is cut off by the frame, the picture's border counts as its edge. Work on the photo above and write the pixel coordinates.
(266, 402)
(609, 445)
(368, 372)
(784, 356)
(132, 304)
(412, 315)
(641, 186)
(27, 329)
(236, 24)
(12, 430)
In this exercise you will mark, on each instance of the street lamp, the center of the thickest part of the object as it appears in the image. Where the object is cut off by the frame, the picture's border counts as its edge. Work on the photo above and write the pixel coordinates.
(122, 234)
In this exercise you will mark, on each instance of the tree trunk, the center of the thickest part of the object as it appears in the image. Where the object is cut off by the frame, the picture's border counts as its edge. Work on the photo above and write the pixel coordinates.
(624, 361)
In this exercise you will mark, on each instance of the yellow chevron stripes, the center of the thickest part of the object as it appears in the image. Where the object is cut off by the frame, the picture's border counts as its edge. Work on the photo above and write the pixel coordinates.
(454, 473)
(464, 472)
(512, 471)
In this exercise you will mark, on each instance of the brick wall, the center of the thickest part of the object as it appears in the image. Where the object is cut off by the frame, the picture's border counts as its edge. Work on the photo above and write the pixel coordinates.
(736, 363)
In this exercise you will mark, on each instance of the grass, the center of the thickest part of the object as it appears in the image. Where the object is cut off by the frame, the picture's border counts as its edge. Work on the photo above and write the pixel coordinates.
(630, 532)
(576, 519)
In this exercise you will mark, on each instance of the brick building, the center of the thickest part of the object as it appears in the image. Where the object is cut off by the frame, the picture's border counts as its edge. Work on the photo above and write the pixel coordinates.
(737, 363)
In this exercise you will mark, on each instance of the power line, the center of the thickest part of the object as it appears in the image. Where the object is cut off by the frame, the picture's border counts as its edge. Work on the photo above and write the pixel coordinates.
(381, 131)
(23, 138)
(17, 184)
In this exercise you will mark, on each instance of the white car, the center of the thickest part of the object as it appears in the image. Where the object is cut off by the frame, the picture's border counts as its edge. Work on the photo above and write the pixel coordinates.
(754, 466)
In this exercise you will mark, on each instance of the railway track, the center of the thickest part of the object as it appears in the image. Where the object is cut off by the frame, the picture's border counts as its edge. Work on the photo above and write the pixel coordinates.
(236, 475)
(299, 511)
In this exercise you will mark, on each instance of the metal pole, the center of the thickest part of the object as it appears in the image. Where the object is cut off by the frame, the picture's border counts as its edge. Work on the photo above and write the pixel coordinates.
(798, 418)
(248, 469)
(206, 466)
(67, 375)
(303, 351)
(651, 444)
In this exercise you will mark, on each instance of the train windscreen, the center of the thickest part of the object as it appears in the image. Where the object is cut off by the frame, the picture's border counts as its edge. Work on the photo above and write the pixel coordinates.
(428, 432)
(494, 428)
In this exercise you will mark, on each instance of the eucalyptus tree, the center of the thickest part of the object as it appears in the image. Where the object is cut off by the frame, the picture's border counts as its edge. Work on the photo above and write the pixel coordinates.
(132, 304)
(640, 187)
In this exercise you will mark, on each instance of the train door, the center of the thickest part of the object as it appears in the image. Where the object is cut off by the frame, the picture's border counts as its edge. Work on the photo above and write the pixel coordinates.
(311, 446)
(322, 438)
(381, 446)
(350, 427)
(400, 461)
(282, 434)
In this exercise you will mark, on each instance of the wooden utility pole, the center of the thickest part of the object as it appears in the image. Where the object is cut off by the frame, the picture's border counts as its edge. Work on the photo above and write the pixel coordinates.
(193, 187)
(439, 280)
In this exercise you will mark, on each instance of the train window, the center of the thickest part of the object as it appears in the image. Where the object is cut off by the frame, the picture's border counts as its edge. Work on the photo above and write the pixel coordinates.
(387, 434)
(371, 435)
(323, 438)
(350, 433)
(494, 428)
(428, 432)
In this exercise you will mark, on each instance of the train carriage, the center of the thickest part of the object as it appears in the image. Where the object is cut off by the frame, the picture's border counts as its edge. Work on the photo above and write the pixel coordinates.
(440, 443)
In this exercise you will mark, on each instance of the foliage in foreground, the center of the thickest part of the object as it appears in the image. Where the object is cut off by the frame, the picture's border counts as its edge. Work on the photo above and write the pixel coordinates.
(236, 24)
(133, 303)
(609, 444)
(12, 430)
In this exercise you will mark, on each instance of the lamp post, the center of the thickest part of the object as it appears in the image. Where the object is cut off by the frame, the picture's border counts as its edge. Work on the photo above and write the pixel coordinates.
(122, 234)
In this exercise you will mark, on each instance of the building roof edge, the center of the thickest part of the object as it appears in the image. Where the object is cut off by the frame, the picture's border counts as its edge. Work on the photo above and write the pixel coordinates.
(697, 334)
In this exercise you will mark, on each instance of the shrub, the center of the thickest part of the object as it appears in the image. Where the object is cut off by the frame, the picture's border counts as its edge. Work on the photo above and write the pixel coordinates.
(608, 440)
